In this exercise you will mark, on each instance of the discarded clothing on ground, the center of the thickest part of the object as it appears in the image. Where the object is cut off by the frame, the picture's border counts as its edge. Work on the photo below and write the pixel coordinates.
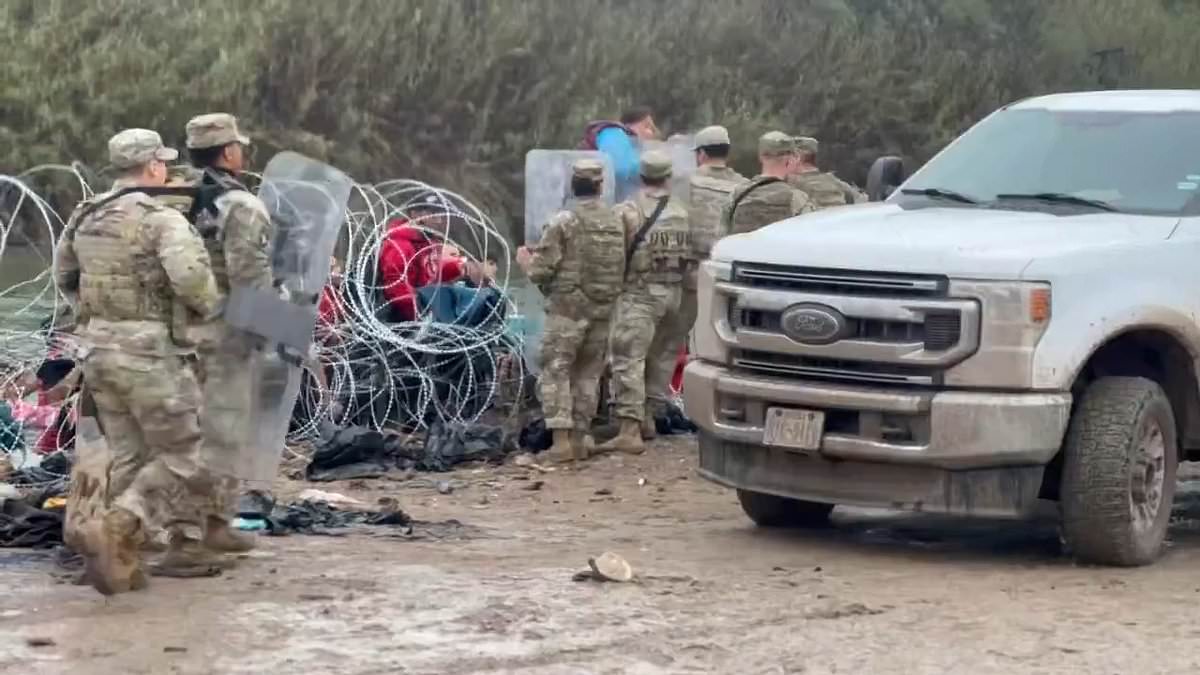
(319, 518)
(358, 452)
(450, 444)
(312, 517)
(673, 421)
(59, 463)
(25, 526)
(52, 473)
(535, 437)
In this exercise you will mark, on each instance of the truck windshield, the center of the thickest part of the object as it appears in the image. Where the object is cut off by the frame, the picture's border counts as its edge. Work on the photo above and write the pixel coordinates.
(1133, 162)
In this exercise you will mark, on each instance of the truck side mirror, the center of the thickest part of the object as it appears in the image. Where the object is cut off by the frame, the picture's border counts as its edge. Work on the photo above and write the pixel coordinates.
(887, 174)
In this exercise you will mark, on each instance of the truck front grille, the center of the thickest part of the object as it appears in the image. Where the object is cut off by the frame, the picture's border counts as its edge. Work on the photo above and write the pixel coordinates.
(839, 282)
(788, 365)
(942, 331)
(939, 332)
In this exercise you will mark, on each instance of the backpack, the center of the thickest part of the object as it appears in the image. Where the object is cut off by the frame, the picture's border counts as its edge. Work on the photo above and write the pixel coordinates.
(592, 132)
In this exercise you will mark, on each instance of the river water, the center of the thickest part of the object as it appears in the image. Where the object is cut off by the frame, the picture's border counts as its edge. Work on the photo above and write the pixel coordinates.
(26, 298)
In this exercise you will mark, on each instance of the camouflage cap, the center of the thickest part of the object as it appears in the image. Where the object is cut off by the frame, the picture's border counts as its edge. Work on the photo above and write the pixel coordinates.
(213, 130)
(714, 135)
(807, 144)
(592, 169)
(135, 147)
(776, 144)
(655, 165)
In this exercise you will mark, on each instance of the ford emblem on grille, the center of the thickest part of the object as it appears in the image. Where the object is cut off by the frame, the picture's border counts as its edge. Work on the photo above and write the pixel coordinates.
(812, 324)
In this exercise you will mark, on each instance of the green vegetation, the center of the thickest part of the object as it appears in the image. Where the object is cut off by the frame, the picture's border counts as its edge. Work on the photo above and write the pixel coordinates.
(455, 92)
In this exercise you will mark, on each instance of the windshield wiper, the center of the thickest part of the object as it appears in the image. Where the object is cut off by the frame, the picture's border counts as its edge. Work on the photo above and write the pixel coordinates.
(941, 194)
(1061, 198)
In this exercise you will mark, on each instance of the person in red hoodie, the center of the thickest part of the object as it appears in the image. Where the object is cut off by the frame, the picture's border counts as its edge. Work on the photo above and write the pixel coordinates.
(413, 255)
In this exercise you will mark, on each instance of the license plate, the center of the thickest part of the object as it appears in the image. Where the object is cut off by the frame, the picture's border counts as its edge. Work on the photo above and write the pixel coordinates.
(791, 428)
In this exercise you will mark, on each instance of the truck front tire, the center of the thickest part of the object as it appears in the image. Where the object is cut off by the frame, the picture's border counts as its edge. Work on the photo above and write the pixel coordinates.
(1118, 482)
(773, 511)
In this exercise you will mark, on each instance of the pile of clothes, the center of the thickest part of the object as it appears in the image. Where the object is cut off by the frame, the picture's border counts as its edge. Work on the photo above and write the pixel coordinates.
(330, 514)
(358, 452)
(32, 501)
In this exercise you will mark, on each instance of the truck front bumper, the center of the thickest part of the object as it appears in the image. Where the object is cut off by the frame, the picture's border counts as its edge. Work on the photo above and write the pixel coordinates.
(977, 453)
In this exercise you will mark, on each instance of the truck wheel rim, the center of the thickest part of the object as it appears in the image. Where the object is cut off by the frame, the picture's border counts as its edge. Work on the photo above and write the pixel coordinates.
(1146, 476)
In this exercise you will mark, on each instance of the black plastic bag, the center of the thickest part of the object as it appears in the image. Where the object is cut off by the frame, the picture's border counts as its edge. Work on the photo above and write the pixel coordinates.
(673, 421)
(450, 444)
(354, 452)
(535, 437)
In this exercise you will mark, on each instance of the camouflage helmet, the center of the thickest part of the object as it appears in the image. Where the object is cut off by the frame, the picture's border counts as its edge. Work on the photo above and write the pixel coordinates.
(655, 165)
(807, 145)
(776, 144)
(132, 148)
(714, 135)
(590, 169)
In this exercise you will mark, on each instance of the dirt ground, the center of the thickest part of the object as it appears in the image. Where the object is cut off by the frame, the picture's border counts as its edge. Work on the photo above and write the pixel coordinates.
(879, 593)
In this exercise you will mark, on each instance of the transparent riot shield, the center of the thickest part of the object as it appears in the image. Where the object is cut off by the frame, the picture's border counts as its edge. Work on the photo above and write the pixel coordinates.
(548, 185)
(681, 148)
(548, 191)
(307, 203)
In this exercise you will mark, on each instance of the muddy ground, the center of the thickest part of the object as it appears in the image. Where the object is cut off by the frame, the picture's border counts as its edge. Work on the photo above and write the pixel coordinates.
(880, 593)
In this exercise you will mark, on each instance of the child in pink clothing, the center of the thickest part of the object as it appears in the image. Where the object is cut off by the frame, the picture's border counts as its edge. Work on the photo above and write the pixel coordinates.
(48, 414)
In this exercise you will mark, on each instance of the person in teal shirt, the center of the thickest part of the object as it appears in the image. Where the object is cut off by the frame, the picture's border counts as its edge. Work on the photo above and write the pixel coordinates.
(621, 141)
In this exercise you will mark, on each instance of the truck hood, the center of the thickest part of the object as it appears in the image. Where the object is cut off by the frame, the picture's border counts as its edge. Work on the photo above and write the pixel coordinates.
(958, 242)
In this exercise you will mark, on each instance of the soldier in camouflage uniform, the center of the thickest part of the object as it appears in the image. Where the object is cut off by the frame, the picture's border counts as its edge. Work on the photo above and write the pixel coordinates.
(660, 256)
(823, 189)
(768, 198)
(578, 265)
(129, 264)
(237, 236)
(710, 188)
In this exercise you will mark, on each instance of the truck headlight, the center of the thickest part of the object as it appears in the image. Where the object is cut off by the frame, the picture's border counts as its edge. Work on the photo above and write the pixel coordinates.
(711, 312)
(1013, 317)
(719, 271)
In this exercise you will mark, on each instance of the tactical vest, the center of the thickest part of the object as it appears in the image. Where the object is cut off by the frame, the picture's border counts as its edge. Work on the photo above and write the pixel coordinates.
(118, 279)
(209, 223)
(822, 188)
(709, 195)
(666, 254)
(594, 262)
(757, 204)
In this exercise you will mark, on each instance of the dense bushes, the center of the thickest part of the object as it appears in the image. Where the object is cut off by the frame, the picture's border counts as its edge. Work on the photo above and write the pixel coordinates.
(456, 91)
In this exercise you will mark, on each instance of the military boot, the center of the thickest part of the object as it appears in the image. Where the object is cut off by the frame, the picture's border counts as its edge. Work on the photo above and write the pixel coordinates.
(220, 536)
(628, 440)
(188, 558)
(112, 563)
(649, 429)
(585, 445)
(563, 450)
(649, 422)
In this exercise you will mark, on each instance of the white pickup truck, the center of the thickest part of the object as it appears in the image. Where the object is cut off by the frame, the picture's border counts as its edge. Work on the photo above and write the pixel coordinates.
(1018, 321)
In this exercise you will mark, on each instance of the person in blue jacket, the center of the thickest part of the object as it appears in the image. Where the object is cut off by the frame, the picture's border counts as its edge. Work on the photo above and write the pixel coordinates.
(621, 141)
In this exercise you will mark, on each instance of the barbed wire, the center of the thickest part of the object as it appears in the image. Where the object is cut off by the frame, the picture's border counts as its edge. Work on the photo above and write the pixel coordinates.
(368, 370)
